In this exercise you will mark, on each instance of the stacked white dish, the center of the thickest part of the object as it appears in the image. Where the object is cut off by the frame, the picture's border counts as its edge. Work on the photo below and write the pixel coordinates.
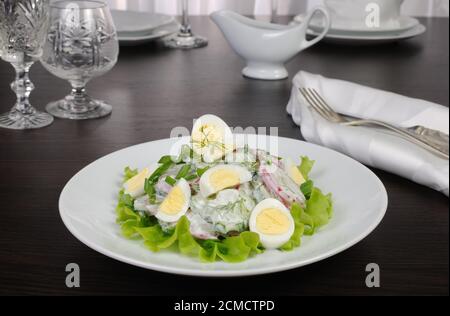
(365, 22)
(134, 28)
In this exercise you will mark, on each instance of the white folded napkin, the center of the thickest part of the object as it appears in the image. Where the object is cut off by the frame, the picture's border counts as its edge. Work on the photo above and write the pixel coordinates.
(374, 147)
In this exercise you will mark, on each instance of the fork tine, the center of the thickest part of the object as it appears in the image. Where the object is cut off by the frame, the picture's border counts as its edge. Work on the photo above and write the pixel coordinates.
(325, 105)
(312, 103)
(315, 105)
(319, 105)
(313, 93)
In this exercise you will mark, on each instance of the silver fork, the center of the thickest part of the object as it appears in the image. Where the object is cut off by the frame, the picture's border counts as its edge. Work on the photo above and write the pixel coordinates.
(321, 107)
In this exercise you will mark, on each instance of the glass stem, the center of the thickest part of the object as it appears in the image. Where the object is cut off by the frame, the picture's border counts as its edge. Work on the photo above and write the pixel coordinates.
(22, 87)
(78, 100)
(274, 10)
(185, 24)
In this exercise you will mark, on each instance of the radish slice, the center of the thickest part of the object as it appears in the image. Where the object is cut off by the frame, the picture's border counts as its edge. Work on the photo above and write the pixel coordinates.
(278, 183)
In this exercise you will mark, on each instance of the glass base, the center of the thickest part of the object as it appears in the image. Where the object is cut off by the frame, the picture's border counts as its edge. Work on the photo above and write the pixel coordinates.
(185, 41)
(19, 121)
(66, 110)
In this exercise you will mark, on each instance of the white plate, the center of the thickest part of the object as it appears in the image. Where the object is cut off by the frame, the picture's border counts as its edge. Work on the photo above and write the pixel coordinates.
(404, 23)
(138, 22)
(352, 38)
(371, 39)
(157, 33)
(88, 201)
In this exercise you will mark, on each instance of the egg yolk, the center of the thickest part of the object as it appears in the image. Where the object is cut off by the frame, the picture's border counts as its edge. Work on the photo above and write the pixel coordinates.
(137, 181)
(297, 176)
(174, 202)
(224, 178)
(272, 221)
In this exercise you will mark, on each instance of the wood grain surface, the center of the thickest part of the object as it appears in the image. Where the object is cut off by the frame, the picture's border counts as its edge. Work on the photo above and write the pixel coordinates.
(153, 90)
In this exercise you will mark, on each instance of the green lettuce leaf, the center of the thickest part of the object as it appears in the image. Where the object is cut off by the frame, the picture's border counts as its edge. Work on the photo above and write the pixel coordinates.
(308, 222)
(252, 240)
(156, 239)
(295, 240)
(231, 249)
(318, 212)
(125, 199)
(125, 208)
(129, 228)
(306, 166)
(129, 173)
(208, 251)
(319, 207)
(307, 188)
(128, 218)
(186, 242)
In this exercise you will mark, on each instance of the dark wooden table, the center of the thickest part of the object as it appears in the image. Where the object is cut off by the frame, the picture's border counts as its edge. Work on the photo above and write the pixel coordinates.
(153, 90)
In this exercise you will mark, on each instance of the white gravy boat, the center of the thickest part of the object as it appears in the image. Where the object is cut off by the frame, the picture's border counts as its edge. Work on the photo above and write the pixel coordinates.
(266, 47)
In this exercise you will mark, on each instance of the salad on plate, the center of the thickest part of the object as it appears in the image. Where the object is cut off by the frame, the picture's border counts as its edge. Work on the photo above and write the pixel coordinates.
(218, 201)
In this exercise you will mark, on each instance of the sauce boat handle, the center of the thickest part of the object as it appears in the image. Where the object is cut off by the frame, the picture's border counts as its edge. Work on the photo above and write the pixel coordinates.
(326, 15)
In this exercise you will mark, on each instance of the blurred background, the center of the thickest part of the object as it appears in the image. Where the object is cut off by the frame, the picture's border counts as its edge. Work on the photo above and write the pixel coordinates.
(263, 7)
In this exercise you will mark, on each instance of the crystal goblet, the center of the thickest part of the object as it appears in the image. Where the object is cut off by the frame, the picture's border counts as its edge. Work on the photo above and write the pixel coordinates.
(23, 25)
(81, 44)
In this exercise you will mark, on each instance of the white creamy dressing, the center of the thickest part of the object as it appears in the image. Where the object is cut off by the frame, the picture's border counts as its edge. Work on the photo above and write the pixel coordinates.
(229, 211)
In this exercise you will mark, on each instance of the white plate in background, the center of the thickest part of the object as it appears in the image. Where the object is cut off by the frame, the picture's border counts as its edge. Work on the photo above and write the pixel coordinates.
(403, 23)
(367, 38)
(135, 28)
(155, 34)
(134, 23)
(352, 39)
